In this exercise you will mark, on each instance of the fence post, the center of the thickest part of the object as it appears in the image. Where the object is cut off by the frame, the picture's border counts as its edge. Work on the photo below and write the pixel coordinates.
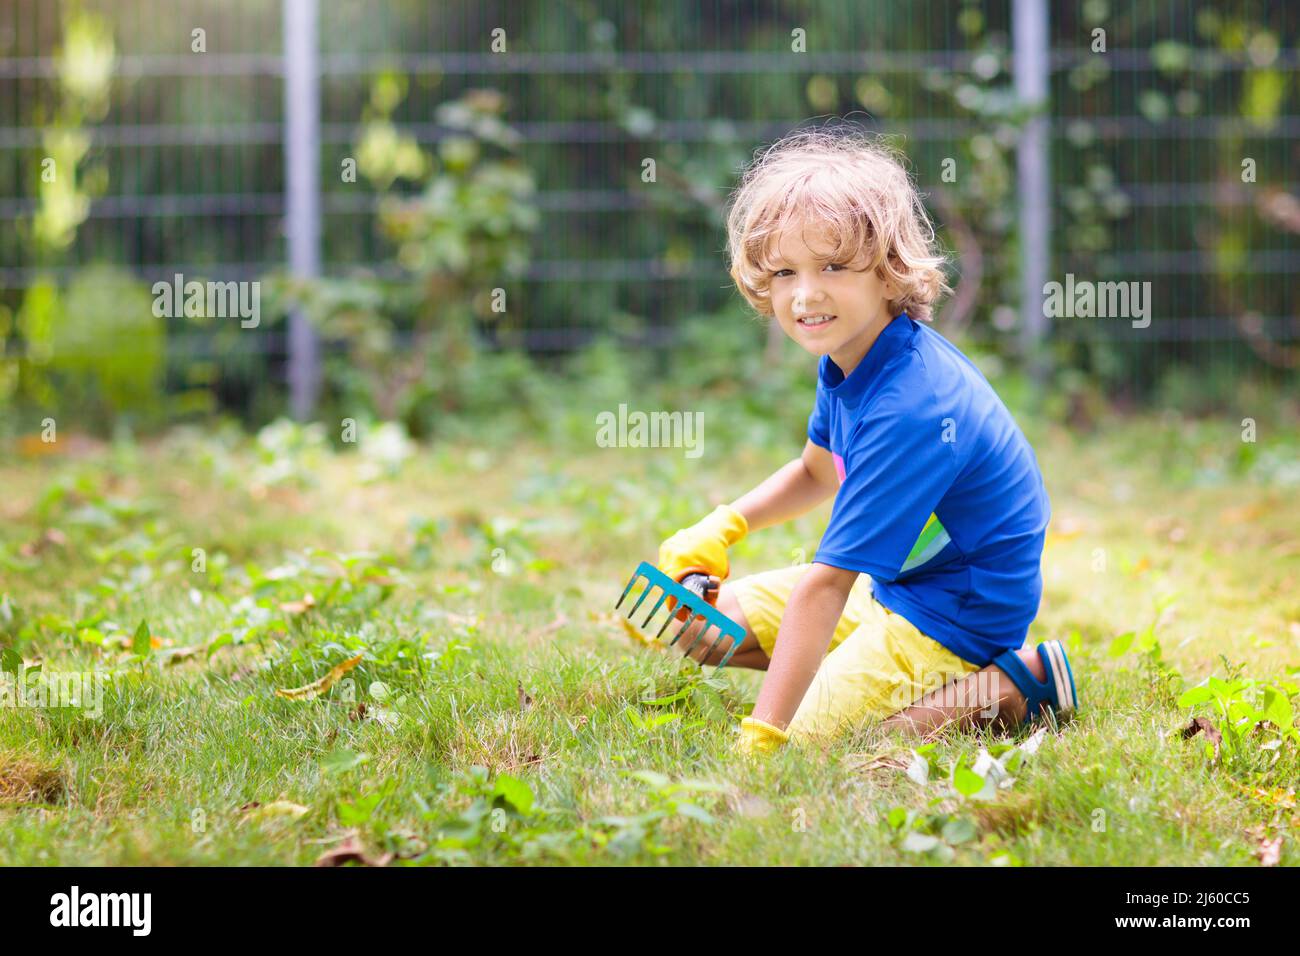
(302, 186)
(1032, 67)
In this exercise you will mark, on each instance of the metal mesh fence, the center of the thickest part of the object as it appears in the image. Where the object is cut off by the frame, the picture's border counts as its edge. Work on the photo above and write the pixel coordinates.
(1147, 144)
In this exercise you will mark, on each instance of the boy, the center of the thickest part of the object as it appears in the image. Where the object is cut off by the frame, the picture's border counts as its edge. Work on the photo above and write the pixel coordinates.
(929, 567)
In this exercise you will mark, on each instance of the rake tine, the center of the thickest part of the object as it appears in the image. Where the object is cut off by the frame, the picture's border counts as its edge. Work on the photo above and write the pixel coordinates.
(698, 637)
(664, 626)
(644, 594)
(714, 646)
(727, 656)
(631, 581)
(658, 604)
(682, 631)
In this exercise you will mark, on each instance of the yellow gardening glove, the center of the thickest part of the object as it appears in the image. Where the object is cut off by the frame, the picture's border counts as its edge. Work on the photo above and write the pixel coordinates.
(759, 737)
(703, 546)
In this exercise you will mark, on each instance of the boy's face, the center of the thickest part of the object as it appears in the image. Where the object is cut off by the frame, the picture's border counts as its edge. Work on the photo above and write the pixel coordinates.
(805, 283)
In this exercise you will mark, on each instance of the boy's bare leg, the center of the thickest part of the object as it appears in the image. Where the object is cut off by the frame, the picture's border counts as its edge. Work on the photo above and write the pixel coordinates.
(983, 697)
(749, 654)
(986, 697)
(980, 698)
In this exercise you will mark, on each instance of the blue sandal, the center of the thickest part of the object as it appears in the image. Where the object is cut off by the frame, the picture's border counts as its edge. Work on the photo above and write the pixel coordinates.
(1057, 692)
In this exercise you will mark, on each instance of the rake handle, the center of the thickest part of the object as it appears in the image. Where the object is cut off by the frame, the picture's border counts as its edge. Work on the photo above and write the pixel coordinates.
(705, 585)
(702, 583)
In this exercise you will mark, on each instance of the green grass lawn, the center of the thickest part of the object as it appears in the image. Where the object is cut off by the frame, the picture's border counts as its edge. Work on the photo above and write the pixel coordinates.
(498, 715)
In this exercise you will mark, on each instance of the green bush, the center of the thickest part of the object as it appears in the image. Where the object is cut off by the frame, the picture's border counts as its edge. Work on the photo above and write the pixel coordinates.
(93, 352)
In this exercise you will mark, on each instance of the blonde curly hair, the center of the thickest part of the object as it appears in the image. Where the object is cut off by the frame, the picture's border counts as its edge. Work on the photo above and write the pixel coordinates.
(855, 184)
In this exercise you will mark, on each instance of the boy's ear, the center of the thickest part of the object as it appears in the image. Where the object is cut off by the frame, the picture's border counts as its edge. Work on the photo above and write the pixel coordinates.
(890, 289)
(888, 285)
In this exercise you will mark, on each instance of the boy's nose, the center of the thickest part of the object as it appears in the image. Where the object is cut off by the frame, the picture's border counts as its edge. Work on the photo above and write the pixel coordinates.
(806, 297)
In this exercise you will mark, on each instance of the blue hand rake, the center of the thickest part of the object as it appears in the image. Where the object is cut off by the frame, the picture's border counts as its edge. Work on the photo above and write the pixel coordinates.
(697, 593)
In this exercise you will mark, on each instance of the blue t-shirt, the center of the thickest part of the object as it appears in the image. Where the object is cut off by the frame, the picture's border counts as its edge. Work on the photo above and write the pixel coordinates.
(940, 500)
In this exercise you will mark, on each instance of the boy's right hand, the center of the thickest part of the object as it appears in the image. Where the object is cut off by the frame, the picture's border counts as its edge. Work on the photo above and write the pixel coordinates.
(703, 546)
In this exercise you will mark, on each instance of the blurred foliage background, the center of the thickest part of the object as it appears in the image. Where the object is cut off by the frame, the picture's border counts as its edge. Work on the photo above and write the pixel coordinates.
(449, 170)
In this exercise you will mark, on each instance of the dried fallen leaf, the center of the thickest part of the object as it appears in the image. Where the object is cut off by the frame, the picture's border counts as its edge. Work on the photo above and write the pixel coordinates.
(1243, 514)
(1065, 529)
(1170, 527)
(52, 536)
(274, 809)
(34, 446)
(174, 654)
(299, 607)
(122, 641)
(316, 688)
(351, 851)
(888, 760)
(1203, 725)
(525, 701)
(1269, 851)
(1276, 797)
(752, 805)
(561, 619)
(580, 722)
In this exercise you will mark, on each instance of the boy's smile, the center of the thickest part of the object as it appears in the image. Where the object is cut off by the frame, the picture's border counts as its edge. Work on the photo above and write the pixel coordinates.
(828, 307)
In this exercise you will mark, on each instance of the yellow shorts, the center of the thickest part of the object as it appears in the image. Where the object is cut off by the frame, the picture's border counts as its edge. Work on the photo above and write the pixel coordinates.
(878, 663)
